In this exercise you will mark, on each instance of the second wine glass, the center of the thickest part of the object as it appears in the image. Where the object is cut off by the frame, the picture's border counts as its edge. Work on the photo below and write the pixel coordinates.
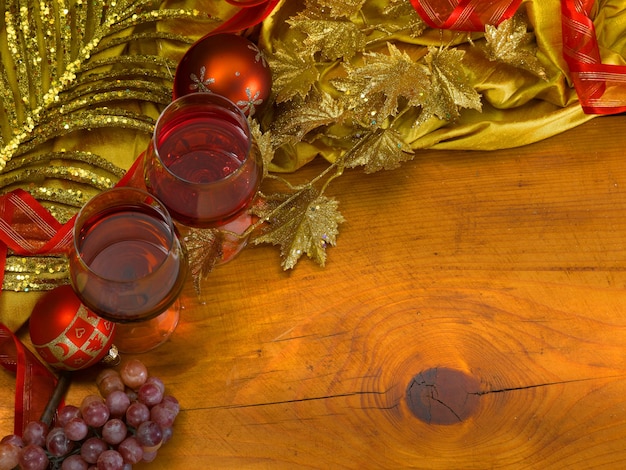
(202, 161)
(128, 266)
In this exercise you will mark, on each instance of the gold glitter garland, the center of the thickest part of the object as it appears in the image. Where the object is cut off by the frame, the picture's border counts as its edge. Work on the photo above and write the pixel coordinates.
(71, 67)
(23, 274)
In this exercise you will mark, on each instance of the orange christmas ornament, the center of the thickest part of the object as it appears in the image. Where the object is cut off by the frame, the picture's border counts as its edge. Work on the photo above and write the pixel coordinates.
(228, 65)
(65, 334)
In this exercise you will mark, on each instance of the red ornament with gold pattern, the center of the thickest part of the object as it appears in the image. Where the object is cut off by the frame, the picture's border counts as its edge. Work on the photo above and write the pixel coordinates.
(228, 65)
(66, 334)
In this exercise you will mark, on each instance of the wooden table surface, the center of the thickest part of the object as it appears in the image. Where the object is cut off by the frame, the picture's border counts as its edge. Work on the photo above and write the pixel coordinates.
(471, 316)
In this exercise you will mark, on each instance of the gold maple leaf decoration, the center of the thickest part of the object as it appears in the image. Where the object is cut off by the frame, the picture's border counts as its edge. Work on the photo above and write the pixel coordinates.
(304, 223)
(373, 90)
(339, 8)
(300, 118)
(450, 88)
(332, 38)
(382, 149)
(509, 43)
(293, 73)
(204, 251)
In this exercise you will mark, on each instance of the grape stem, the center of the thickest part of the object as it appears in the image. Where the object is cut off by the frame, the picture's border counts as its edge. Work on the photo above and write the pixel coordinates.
(59, 392)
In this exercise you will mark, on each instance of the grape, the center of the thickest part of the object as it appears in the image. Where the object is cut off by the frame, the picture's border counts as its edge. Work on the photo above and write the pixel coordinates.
(167, 434)
(35, 433)
(95, 413)
(118, 403)
(136, 414)
(76, 429)
(163, 414)
(149, 435)
(87, 400)
(156, 381)
(110, 460)
(92, 448)
(130, 400)
(67, 413)
(58, 443)
(131, 450)
(74, 462)
(172, 402)
(109, 380)
(150, 394)
(13, 439)
(114, 431)
(132, 394)
(149, 456)
(134, 373)
(9, 455)
(33, 457)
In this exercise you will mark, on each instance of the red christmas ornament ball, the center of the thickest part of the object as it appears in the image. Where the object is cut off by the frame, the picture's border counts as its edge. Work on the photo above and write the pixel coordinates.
(66, 334)
(228, 65)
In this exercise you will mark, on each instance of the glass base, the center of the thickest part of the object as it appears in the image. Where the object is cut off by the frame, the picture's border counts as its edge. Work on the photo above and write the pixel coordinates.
(144, 336)
(234, 242)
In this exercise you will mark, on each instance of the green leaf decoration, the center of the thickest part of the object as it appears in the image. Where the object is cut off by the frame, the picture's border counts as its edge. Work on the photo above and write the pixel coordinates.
(304, 223)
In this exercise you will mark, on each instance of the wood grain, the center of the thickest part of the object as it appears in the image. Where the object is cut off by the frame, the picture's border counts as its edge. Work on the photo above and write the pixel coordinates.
(506, 269)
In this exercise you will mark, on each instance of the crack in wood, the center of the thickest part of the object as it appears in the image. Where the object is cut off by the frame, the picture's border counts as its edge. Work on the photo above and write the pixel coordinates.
(547, 384)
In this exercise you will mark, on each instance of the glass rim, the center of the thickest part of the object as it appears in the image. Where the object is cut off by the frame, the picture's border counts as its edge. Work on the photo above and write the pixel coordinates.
(159, 208)
(202, 95)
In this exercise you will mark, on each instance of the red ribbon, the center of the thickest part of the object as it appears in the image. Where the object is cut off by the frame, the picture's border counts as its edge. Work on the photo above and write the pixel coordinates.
(34, 383)
(252, 13)
(601, 88)
(465, 15)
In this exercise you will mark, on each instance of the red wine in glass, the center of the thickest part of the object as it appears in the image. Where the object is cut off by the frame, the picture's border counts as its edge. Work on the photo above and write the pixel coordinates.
(128, 264)
(202, 162)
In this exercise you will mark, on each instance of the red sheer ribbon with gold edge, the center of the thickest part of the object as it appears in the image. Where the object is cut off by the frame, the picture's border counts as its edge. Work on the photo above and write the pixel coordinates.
(465, 15)
(601, 88)
(34, 383)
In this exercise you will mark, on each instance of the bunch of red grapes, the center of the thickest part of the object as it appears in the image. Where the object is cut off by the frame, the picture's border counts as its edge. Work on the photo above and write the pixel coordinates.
(124, 425)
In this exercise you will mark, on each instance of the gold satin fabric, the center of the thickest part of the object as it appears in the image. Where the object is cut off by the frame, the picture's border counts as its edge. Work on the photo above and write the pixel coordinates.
(518, 107)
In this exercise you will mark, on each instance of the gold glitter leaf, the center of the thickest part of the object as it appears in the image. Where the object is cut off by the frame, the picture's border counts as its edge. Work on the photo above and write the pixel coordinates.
(374, 89)
(450, 87)
(382, 149)
(204, 250)
(345, 8)
(52, 46)
(294, 73)
(332, 38)
(318, 110)
(400, 16)
(263, 141)
(509, 43)
(304, 223)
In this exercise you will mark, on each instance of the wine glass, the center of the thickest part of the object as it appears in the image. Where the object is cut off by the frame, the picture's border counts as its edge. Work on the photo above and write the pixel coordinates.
(128, 266)
(203, 162)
